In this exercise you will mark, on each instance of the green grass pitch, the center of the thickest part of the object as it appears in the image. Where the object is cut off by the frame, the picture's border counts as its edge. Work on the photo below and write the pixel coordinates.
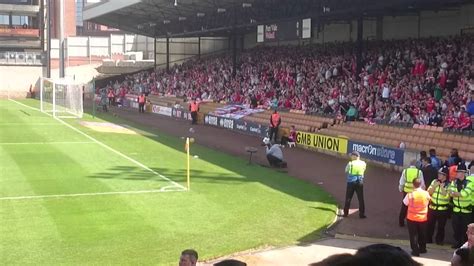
(59, 202)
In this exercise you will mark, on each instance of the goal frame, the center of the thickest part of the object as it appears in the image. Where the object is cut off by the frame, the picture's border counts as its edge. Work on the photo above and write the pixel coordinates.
(64, 111)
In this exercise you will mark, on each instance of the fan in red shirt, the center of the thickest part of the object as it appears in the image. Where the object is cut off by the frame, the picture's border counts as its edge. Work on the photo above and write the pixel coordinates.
(430, 105)
(449, 121)
(464, 122)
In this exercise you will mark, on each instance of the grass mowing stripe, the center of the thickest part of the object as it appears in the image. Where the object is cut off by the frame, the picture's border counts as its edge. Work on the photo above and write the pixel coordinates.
(109, 148)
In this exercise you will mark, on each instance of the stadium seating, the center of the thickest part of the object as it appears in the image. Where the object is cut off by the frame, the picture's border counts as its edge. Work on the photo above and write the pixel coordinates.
(414, 138)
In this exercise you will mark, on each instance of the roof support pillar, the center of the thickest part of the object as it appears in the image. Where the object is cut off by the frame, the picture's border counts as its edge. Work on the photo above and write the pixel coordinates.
(154, 51)
(167, 54)
(359, 45)
(234, 55)
(199, 47)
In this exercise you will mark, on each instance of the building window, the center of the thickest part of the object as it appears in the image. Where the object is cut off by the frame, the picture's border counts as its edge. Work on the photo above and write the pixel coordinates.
(4, 20)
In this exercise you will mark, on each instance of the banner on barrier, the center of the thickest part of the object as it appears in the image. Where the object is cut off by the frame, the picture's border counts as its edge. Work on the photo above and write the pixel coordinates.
(219, 121)
(251, 128)
(211, 120)
(161, 110)
(323, 142)
(234, 111)
(181, 113)
(377, 152)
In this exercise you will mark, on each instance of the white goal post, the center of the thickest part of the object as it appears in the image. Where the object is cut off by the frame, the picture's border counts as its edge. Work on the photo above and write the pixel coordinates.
(62, 98)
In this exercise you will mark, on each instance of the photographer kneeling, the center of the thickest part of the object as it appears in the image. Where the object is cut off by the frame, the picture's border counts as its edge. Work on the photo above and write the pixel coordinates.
(274, 154)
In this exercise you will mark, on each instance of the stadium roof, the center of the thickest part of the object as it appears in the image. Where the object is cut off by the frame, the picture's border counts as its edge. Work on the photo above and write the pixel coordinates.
(184, 18)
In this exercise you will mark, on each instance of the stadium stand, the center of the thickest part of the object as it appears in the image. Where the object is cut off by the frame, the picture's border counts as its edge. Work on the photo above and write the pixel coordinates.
(418, 86)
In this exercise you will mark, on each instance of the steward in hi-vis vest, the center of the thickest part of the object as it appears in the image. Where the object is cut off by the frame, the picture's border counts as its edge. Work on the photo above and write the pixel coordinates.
(141, 103)
(194, 109)
(406, 186)
(275, 121)
(355, 170)
(417, 215)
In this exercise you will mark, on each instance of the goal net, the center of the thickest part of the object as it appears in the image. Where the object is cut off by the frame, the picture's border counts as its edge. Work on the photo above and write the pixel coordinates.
(62, 98)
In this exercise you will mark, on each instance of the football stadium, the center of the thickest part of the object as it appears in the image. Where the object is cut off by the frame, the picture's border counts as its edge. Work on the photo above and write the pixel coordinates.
(236, 132)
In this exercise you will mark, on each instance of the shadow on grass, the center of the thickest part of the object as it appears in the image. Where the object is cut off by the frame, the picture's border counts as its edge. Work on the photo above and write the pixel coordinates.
(240, 171)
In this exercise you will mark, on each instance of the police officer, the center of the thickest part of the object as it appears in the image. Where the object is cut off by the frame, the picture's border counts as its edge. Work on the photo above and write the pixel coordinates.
(355, 183)
(470, 178)
(406, 186)
(460, 191)
(438, 208)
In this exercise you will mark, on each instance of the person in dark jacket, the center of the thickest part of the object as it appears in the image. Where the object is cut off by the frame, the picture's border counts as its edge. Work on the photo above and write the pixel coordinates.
(429, 172)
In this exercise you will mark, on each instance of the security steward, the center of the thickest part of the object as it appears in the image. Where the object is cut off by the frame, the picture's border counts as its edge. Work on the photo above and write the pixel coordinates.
(275, 121)
(417, 216)
(194, 109)
(141, 103)
(355, 183)
(406, 186)
(460, 191)
(438, 208)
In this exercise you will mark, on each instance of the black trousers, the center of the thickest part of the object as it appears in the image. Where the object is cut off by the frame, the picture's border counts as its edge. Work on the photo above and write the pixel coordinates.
(460, 222)
(403, 211)
(141, 107)
(274, 161)
(417, 232)
(194, 117)
(273, 132)
(358, 188)
(440, 218)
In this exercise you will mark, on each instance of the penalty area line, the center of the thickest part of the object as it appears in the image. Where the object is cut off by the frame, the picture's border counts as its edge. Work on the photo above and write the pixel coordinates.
(132, 192)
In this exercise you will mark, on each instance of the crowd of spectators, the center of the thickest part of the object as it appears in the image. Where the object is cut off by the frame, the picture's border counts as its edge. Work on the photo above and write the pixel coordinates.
(425, 81)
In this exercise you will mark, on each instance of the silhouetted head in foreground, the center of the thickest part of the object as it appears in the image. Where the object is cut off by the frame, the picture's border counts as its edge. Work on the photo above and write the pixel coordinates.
(372, 255)
(230, 263)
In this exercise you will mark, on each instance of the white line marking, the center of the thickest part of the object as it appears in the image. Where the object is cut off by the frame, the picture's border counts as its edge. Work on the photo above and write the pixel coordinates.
(109, 148)
(45, 143)
(30, 124)
(162, 190)
(32, 108)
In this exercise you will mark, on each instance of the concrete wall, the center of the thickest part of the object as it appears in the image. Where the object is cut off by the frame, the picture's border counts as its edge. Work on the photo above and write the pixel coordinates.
(16, 80)
(424, 24)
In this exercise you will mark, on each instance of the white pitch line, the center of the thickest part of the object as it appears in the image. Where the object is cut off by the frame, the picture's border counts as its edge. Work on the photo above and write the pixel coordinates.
(162, 190)
(32, 108)
(46, 143)
(109, 148)
(29, 124)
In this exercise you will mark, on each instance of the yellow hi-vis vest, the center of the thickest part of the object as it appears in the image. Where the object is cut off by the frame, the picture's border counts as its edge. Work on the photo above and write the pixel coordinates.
(439, 202)
(410, 175)
(357, 167)
(471, 179)
(462, 204)
(356, 171)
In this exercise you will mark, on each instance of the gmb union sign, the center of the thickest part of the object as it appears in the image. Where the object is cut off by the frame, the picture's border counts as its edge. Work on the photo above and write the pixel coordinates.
(323, 142)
